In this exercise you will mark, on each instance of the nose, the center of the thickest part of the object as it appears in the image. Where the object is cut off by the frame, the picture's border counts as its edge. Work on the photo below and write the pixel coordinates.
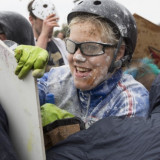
(78, 56)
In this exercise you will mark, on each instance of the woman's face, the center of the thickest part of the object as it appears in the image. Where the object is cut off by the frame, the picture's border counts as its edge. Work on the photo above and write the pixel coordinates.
(88, 71)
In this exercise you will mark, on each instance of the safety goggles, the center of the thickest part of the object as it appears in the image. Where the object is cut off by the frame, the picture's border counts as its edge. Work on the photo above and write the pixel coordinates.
(87, 48)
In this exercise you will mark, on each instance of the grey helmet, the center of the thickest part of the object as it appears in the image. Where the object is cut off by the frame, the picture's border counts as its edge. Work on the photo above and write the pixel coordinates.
(116, 15)
(16, 28)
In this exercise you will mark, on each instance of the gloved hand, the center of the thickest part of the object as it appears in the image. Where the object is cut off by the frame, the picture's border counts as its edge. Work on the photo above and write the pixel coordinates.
(30, 57)
(50, 113)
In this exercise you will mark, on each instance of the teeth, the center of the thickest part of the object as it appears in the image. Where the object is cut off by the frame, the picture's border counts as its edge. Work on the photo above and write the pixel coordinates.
(82, 69)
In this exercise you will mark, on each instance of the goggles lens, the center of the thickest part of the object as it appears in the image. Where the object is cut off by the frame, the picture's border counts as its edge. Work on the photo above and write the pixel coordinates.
(87, 48)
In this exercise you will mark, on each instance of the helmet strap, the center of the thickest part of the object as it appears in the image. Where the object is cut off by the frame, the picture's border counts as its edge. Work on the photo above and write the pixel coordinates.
(118, 63)
(121, 62)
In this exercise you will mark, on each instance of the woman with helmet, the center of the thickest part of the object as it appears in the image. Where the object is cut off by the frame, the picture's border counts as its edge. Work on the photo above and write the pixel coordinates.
(102, 38)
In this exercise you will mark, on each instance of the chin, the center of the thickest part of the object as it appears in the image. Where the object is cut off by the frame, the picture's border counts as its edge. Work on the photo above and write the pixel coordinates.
(82, 87)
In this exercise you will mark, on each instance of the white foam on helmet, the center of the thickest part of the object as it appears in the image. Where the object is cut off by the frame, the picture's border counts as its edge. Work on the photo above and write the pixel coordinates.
(43, 8)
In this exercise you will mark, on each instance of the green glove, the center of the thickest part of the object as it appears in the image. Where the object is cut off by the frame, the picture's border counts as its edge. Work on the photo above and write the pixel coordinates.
(50, 113)
(30, 57)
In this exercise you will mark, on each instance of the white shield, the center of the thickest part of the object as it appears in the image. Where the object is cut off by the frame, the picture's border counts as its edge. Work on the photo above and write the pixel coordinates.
(19, 99)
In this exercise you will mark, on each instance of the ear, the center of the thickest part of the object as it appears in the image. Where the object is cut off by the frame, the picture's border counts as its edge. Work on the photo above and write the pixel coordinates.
(121, 52)
(31, 19)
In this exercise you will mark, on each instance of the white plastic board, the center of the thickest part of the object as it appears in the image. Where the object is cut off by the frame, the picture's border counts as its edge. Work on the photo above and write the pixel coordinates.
(20, 100)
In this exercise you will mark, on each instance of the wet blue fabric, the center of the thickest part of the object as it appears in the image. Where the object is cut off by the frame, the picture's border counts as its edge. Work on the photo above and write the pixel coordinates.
(119, 95)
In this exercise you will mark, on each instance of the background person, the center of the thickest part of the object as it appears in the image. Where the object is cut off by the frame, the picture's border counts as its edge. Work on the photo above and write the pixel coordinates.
(43, 17)
(15, 27)
(61, 35)
(144, 71)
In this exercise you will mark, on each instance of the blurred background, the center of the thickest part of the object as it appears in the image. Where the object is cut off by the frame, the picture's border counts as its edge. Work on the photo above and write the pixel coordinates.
(148, 9)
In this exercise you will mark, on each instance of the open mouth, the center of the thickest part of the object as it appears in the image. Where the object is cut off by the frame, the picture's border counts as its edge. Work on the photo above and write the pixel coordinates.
(80, 69)
(82, 72)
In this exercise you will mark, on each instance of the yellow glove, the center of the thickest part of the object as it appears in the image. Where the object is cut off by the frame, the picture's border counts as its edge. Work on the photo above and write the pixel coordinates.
(30, 57)
(50, 113)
